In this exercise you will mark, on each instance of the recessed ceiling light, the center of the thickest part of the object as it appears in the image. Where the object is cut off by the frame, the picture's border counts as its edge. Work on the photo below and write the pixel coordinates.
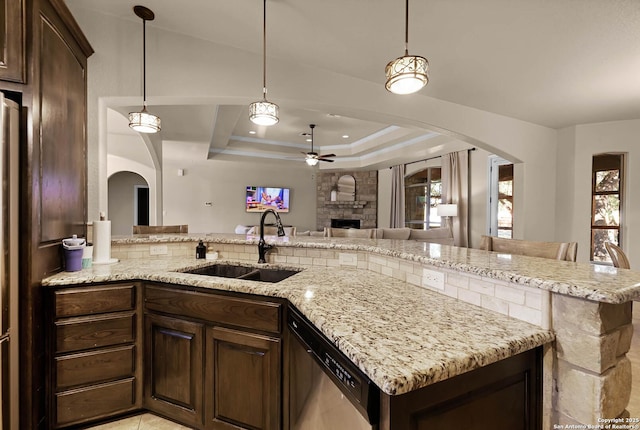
(306, 135)
(252, 132)
(345, 136)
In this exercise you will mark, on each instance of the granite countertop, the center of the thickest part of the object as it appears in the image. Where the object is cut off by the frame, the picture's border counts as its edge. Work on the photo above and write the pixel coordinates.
(589, 281)
(402, 336)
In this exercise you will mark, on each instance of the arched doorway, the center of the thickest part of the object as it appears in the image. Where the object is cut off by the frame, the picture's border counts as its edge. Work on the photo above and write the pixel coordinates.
(128, 202)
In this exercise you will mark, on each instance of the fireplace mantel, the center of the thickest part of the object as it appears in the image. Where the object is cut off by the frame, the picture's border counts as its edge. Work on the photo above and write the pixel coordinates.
(357, 204)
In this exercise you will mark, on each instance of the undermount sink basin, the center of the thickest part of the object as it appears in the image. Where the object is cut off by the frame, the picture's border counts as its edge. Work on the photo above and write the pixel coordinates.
(244, 272)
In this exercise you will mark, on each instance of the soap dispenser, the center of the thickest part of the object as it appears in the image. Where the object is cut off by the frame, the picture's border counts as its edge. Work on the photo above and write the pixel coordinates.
(201, 250)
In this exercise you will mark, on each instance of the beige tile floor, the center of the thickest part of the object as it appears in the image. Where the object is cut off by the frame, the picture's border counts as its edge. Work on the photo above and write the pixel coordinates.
(149, 421)
(141, 422)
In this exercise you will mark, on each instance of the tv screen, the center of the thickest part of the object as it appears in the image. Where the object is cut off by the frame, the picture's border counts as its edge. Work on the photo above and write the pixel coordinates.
(258, 199)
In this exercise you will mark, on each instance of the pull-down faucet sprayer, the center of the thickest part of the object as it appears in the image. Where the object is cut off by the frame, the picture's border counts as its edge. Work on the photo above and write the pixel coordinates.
(263, 247)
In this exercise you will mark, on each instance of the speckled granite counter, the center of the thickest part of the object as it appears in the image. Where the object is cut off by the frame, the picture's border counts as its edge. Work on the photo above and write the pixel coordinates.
(378, 302)
(593, 282)
(402, 336)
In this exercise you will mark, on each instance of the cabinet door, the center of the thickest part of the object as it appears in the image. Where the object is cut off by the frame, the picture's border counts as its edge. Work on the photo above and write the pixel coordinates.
(12, 39)
(173, 368)
(242, 381)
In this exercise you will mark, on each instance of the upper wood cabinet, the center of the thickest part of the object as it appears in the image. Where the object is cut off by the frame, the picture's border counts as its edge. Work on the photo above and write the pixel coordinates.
(12, 37)
(62, 111)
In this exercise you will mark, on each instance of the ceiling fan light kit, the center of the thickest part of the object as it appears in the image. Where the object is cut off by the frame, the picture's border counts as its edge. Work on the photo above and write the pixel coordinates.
(409, 73)
(143, 121)
(312, 158)
(264, 112)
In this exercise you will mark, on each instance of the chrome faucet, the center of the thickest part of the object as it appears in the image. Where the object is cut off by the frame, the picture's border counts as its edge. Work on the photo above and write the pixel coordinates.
(263, 247)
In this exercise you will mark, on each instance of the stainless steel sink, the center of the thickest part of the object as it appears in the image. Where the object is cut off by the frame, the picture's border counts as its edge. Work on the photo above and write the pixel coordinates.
(250, 273)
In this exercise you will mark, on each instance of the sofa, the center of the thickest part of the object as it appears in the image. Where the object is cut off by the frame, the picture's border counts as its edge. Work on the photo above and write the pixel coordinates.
(441, 235)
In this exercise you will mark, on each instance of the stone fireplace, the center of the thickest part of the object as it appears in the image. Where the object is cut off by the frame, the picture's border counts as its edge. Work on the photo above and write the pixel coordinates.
(364, 209)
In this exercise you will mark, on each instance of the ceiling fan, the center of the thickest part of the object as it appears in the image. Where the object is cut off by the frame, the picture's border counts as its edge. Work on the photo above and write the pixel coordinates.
(312, 158)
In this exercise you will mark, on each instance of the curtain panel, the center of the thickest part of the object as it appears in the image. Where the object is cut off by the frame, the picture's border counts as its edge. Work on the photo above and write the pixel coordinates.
(455, 190)
(397, 196)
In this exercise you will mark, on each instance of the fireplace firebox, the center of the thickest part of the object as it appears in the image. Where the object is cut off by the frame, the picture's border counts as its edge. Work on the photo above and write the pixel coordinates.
(345, 223)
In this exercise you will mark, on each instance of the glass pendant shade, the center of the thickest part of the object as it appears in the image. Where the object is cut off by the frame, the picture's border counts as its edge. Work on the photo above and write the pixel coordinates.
(407, 74)
(144, 122)
(311, 161)
(263, 113)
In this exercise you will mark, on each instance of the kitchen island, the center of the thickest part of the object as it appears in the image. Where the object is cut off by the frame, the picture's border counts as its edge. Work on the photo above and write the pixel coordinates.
(362, 295)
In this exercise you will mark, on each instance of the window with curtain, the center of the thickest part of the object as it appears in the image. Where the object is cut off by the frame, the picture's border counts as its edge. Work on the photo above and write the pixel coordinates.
(606, 203)
(423, 194)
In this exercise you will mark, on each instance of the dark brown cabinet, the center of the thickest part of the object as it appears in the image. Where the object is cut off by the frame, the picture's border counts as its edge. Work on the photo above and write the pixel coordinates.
(503, 395)
(213, 360)
(94, 347)
(174, 368)
(12, 32)
(43, 67)
(242, 384)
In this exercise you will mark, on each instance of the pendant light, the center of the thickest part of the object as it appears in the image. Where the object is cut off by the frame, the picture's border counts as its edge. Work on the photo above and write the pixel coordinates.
(264, 112)
(143, 121)
(409, 73)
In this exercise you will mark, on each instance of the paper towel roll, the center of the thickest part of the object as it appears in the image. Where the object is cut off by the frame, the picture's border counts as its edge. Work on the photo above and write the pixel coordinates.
(102, 242)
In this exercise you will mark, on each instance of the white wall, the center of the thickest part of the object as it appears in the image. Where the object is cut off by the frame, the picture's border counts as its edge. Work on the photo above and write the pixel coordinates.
(384, 198)
(182, 68)
(223, 183)
(479, 189)
(577, 146)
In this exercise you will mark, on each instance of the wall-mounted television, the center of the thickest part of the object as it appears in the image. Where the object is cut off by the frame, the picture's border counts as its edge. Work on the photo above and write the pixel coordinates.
(258, 199)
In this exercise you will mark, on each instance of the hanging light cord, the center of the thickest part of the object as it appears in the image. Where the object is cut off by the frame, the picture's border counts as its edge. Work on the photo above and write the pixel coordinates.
(264, 51)
(406, 29)
(144, 63)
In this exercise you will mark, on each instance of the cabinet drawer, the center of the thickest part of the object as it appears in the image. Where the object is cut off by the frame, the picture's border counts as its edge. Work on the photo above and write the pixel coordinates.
(217, 308)
(71, 302)
(74, 334)
(97, 401)
(95, 366)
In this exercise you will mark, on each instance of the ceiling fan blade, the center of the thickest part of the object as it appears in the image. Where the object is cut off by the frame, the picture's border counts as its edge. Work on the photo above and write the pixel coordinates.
(326, 159)
(327, 155)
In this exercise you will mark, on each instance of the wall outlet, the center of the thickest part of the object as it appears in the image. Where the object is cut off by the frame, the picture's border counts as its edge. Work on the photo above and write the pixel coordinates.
(347, 259)
(158, 250)
(433, 279)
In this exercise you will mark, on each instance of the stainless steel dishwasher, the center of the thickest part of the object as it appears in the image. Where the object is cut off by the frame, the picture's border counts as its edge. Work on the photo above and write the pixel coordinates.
(327, 391)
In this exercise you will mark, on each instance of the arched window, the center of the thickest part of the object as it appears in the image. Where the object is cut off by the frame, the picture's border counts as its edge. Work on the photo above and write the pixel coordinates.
(423, 194)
